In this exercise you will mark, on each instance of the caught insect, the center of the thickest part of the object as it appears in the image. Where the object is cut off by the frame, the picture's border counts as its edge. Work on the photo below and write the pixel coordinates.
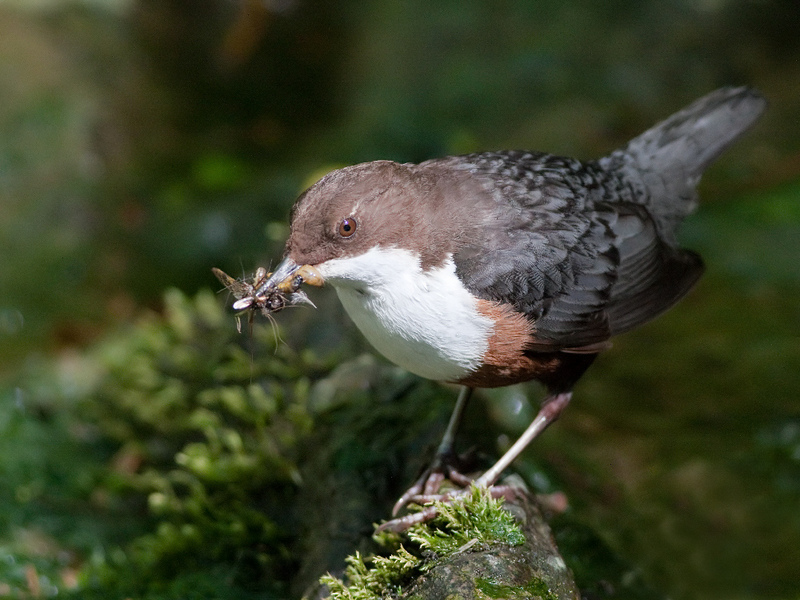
(249, 296)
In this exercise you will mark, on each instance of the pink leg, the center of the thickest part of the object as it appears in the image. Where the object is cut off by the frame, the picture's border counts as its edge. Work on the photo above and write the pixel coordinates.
(551, 409)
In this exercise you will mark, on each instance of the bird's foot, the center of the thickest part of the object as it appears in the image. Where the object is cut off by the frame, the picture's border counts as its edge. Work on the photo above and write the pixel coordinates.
(442, 468)
(431, 511)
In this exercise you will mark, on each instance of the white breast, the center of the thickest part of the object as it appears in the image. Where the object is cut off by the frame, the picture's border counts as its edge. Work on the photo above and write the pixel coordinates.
(424, 321)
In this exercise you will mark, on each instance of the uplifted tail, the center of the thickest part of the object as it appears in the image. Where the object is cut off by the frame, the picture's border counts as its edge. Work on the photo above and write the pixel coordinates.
(668, 159)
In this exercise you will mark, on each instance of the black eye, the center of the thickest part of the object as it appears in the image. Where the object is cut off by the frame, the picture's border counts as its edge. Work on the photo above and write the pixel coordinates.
(347, 227)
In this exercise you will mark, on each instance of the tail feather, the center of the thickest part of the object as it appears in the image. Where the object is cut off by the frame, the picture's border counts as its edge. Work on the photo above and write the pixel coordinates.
(669, 159)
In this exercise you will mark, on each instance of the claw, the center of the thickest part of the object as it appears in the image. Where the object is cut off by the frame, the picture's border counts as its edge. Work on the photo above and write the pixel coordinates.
(429, 483)
(407, 522)
(401, 524)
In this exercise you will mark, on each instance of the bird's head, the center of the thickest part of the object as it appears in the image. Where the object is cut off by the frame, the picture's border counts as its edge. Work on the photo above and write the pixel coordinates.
(377, 207)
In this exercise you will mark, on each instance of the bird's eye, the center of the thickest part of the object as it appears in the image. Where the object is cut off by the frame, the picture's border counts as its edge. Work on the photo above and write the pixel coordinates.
(347, 227)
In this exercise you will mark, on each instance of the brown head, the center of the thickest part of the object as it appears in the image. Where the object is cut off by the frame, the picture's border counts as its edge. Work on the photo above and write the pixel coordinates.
(384, 203)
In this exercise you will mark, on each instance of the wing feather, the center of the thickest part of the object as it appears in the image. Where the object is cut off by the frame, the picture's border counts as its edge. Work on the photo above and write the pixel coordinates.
(579, 264)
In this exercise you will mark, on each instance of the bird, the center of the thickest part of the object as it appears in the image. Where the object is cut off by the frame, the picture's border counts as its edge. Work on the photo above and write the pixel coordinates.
(495, 268)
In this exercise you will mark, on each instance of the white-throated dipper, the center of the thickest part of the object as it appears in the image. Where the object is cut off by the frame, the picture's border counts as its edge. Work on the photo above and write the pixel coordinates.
(495, 268)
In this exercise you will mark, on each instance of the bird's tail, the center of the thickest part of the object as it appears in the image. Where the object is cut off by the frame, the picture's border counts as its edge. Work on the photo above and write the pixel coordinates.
(668, 159)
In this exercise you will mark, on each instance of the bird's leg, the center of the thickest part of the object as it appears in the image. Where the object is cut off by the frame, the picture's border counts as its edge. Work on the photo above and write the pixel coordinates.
(430, 480)
(551, 409)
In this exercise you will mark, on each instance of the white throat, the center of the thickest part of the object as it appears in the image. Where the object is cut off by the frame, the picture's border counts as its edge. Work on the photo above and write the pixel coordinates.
(425, 321)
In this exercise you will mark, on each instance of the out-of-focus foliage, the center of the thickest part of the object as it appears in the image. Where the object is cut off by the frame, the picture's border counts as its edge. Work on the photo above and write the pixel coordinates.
(144, 141)
(207, 436)
(210, 436)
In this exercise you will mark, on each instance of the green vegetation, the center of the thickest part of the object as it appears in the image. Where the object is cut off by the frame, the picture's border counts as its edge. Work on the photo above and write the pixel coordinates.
(147, 450)
(536, 588)
(470, 523)
(476, 519)
(384, 576)
(203, 435)
(216, 436)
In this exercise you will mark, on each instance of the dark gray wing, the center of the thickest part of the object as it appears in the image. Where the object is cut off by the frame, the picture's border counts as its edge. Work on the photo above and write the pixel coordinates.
(587, 250)
(651, 275)
(571, 249)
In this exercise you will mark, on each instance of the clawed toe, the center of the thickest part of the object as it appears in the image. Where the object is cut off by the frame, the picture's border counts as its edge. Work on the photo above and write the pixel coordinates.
(404, 523)
(429, 512)
(430, 482)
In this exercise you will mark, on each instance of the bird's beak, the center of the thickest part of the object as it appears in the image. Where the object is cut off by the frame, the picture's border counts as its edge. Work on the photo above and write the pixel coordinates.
(288, 277)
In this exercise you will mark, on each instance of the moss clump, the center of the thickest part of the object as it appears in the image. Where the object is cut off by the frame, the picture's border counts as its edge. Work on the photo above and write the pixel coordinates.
(383, 576)
(535, 588)
(471, 522)
(208, 441)
(474, 519)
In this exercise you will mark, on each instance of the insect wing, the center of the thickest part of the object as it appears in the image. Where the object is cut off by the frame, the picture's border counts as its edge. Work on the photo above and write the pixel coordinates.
(240, 289)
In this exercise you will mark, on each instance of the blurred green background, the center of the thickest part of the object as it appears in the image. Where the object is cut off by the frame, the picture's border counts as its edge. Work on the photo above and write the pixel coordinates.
(144, 141)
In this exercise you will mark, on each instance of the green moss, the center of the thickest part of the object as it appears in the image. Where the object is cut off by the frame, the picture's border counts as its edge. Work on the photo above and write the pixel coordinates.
(474, 519)
(472, 522)
(212, 438)
(374, 578)
(536, 588)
